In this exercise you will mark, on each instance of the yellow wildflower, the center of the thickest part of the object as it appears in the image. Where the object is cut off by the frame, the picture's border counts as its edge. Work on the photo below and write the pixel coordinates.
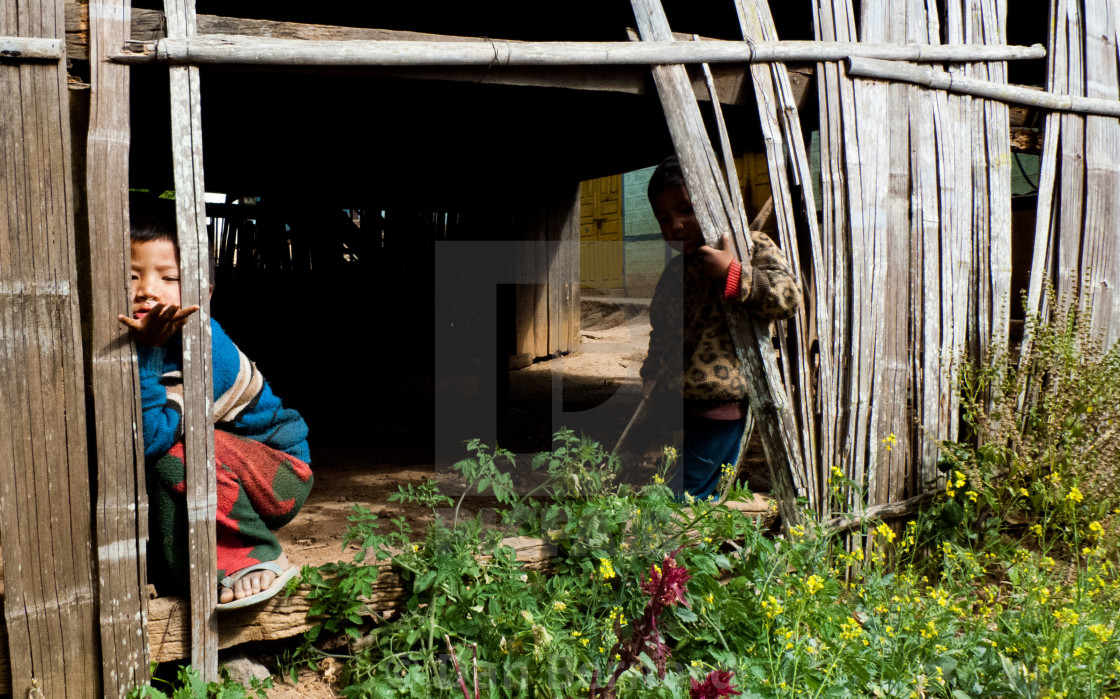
(885, 531)
(606, 569)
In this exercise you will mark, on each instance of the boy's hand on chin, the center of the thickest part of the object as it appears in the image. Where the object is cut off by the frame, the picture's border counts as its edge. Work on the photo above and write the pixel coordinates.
(716, 261)
(159, 324)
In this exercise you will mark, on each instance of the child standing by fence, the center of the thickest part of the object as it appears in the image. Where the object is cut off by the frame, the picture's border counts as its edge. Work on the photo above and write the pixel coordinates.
(688, 323)
(260, 447)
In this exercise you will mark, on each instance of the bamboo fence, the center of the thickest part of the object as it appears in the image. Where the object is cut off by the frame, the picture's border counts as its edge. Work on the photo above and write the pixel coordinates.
(1077, 233)
(916, 244)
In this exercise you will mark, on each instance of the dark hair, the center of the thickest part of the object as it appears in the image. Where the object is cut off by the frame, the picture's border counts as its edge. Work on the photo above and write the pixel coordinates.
(149, 228)
(146, 229)
(668, 174)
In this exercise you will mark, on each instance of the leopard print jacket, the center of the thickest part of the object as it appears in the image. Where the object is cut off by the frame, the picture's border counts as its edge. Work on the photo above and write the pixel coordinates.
(699, 363)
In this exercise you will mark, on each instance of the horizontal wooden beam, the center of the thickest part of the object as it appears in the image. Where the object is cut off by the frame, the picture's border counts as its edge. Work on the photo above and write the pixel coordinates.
(265, 51)
(955, 82)
(18, 48)
(148, 25)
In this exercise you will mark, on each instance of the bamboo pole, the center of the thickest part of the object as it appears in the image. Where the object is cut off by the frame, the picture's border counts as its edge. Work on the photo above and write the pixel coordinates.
(245, 50)
(18, 48)
(749, 334)
(956, 83)
(198, 412)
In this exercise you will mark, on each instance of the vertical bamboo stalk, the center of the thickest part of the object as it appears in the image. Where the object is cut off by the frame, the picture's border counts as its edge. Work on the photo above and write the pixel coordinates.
(122, 514)
(198, 420)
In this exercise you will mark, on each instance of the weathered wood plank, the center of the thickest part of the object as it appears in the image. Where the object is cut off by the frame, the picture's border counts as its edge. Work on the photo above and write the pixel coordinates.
(198, 407)
(44, 479)
(122, 515)
(566, 213)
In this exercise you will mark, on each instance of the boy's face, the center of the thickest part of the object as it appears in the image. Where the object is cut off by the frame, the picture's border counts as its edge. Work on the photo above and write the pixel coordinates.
(673, 209)
(155, 276)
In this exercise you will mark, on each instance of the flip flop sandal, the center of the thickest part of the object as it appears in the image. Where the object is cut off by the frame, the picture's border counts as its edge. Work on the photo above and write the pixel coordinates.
(282, 578)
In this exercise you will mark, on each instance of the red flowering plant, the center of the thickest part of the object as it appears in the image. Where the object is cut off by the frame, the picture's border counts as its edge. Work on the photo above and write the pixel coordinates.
(716, 684)
(665, 587)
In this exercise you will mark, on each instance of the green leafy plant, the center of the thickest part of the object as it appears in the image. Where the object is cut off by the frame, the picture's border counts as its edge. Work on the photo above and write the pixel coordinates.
(648, 596)
(191, 686)
(1041, 455)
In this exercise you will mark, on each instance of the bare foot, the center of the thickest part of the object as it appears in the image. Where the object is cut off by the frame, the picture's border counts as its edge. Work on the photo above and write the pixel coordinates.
(252, 583)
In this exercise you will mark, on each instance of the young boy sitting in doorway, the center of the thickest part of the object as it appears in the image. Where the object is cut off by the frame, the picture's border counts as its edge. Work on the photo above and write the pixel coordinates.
(260, 447)
(688, 322)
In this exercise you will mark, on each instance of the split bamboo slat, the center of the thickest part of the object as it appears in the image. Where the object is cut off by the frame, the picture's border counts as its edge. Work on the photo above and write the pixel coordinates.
(1100, 242)
(788, 165)
(1043, 253)
(751, 336)
(832, 86)
(246, 50)
(48, 600)
(121, 508)
(929, 362)
(198, 391)
(844, 233)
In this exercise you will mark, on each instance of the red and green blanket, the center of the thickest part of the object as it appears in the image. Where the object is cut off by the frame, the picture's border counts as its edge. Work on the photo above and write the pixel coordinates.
(259, 489)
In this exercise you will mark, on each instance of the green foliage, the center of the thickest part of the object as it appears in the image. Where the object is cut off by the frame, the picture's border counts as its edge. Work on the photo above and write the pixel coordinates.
(1044, 445)
(937, 611)
(190, 686)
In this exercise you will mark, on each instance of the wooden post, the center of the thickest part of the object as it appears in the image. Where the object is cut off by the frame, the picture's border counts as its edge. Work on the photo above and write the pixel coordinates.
(44, 469)
(122, 510)
(198, 409)
(716, 216)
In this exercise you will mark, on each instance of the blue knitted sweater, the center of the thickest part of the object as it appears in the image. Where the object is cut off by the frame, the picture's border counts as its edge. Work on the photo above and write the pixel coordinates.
(264, 419)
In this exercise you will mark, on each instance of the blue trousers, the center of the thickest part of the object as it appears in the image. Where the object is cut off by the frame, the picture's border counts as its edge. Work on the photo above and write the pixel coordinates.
(708, 445)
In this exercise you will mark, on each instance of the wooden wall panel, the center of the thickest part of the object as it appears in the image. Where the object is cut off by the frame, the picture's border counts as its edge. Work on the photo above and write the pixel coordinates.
(44, 477)
(121, 508)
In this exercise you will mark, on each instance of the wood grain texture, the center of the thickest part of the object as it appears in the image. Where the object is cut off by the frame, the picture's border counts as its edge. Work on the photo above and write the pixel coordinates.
(198, 404)
(121, 513)
(1100, 243)
(48, 600)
